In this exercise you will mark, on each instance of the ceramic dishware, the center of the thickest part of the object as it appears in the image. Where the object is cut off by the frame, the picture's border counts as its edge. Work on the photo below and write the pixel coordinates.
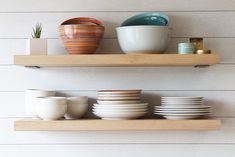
(155, 18)
(177, 108)
(81, 35)
(31, 100)
(119, 104)
(143, 39)
(51, 108)
(119, 115)
(77, 107)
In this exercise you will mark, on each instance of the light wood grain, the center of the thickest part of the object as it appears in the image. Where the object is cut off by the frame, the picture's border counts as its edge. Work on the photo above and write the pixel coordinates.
(122, 125)
(117, 60)
(226, 134)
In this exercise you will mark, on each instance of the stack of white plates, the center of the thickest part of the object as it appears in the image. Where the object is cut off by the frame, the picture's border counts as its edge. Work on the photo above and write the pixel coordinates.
(182, 108)
(119, 104)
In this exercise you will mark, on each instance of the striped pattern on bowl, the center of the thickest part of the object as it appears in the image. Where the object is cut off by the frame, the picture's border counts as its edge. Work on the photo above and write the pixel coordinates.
(81, 37)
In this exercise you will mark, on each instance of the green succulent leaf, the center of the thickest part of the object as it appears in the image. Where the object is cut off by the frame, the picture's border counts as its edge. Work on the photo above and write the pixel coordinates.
(37, 31)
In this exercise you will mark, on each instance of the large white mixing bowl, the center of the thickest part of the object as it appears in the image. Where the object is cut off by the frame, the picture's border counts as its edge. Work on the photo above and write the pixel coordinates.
(144, 39)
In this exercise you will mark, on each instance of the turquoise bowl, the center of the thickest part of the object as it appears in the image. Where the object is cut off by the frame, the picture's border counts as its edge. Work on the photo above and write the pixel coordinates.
(158, 19)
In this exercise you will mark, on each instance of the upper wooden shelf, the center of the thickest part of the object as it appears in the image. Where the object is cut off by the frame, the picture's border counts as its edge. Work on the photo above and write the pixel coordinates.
(116, 60)
(119, 125)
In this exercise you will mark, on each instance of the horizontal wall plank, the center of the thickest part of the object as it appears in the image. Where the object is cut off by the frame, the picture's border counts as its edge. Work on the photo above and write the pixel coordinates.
(118, 150)
(114, 5)
(222, 102)
(184, 24)
(11, 47)
(10, 137)
(218, 77)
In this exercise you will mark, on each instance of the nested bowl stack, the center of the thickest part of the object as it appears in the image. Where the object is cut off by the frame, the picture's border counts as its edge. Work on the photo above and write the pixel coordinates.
(81, 35)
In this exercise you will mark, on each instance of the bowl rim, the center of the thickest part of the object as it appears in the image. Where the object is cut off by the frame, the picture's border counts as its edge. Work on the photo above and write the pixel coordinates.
(147, 26)
(147, 14)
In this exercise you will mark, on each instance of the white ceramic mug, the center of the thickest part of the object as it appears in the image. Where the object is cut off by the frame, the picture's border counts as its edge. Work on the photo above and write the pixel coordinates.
(30, 100)
(51, 108)
(77, 107)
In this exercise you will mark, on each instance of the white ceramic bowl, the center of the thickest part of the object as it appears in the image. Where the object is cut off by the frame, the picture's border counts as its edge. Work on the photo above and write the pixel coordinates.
(143, 39)
(51, 108)
(77, 107)
(31, 100)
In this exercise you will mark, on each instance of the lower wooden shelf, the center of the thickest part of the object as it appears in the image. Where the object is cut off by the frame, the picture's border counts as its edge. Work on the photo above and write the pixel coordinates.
(122, 125)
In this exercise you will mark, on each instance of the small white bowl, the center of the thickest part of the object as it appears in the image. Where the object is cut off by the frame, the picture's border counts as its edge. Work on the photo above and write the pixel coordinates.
(143, 39)
(77, 107)
(51, 108)
(31, 99)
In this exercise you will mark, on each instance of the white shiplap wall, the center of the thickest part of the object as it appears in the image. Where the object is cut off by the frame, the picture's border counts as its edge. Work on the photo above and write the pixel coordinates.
(213, 20)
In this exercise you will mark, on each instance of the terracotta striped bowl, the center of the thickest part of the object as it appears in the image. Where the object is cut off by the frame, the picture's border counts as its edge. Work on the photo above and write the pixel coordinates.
(81, 35)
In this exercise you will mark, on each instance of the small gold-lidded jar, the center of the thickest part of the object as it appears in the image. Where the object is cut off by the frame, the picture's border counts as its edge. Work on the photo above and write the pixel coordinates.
(197, 42)
(203, 52)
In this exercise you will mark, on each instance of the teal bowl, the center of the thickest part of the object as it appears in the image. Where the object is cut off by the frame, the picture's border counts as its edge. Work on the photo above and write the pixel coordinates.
(158, 19)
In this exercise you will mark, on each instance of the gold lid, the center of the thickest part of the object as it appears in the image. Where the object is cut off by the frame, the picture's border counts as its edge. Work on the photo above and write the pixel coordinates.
(195, 38)
(203, 52)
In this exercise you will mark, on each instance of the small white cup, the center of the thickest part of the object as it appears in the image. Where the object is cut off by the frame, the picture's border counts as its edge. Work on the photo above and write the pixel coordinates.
(77, 107)
(31, 100)
(51, 108)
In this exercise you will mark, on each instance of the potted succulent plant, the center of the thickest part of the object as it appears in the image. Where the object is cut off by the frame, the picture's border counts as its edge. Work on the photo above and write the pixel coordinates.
(37, 45)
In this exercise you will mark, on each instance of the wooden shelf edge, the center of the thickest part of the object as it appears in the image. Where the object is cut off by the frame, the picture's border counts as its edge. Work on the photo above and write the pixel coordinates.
(116, 60)
(122, 125)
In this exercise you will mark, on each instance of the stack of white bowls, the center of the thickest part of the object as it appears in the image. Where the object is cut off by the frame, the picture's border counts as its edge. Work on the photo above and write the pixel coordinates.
(45, 105)
(119, 104)
(182, 108)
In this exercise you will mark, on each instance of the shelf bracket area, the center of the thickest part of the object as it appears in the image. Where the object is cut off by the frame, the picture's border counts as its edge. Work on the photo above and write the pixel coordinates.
(33, 67)
(201, 66)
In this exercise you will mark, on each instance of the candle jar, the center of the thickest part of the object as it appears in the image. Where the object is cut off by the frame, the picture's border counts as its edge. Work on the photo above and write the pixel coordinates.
(197, 42)
(186, 48)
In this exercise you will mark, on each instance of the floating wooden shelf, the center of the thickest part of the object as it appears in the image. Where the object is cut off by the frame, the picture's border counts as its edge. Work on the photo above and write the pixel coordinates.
(122, 125)
(116, 60)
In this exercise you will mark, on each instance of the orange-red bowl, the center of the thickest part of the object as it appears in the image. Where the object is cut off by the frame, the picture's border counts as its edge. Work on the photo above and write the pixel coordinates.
(81, 35)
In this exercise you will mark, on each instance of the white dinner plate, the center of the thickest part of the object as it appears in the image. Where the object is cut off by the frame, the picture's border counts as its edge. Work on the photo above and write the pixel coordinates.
(181, 112)
(172, 117)
(181, 101)
(182, 107)
(118, 102)
(119, 110)
(120, 106)
(184, 98)
(119, 116)
(178, 103)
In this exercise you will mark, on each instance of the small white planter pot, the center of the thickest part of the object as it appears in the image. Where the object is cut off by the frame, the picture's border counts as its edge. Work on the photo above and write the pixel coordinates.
(37, 46)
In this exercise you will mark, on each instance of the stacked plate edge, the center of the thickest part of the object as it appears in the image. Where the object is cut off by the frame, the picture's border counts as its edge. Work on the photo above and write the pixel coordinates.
(119, 105)
(177, 108)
